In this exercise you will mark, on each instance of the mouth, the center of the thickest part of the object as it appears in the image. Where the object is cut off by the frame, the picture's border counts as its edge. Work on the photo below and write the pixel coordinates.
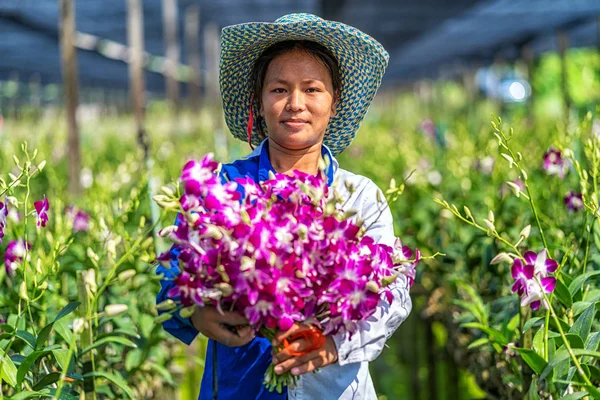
(295, 123)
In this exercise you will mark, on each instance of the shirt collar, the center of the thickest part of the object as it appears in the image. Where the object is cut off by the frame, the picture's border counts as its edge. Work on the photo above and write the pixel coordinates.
(264, 164)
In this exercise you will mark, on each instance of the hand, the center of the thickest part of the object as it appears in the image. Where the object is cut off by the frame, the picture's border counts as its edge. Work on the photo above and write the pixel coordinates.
(284, 361)
(214, 325)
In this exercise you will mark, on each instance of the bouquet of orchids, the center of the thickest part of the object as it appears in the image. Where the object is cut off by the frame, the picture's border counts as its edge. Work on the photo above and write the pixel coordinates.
(284, 251)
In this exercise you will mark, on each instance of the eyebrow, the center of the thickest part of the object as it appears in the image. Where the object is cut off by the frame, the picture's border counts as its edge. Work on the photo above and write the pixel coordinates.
(283, 81)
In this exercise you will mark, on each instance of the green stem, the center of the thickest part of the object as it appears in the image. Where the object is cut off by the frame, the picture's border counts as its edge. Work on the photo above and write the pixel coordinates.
(547, 318)
(63, 374)
(564, 338)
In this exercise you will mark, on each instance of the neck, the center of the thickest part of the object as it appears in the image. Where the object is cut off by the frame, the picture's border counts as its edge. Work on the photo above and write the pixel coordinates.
(285, 160)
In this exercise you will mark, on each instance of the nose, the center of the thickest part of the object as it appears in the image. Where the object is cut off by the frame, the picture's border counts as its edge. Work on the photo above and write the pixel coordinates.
(296, 101)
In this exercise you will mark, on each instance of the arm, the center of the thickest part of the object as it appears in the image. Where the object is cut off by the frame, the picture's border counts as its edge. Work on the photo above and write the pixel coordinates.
(367, 343)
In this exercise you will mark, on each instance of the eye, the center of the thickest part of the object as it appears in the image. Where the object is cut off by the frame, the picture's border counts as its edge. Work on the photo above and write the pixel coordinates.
(313, 90)
(278, 90)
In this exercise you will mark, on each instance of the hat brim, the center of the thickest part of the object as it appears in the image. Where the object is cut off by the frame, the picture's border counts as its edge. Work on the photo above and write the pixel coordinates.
(362, 62)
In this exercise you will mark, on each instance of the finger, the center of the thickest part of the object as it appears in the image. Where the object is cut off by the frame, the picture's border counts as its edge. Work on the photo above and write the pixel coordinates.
(295, 347)
(226, 337)
(308, 366)
(246, 333)
(293, 362)
(232, 318)
(282, 335)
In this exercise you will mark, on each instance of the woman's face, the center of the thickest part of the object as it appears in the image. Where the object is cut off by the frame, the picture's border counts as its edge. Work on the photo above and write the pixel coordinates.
(297, 100)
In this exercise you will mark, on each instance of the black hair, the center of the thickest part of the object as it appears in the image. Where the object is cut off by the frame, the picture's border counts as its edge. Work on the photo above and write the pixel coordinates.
(318, 51)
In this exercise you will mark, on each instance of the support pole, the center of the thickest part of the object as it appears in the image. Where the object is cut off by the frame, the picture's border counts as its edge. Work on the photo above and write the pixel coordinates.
(71, 90)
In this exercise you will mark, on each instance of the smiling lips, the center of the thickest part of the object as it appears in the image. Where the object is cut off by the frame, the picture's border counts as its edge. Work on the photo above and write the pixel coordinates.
(295, 123)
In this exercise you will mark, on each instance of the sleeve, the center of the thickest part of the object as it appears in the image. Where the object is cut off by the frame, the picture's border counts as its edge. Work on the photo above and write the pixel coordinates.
(177, 326)
(367, 343)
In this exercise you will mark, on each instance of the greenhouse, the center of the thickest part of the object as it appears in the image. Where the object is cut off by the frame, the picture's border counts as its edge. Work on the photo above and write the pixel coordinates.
(327, 199)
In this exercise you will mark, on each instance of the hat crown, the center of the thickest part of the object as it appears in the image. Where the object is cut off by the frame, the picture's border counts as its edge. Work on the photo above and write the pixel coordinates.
(298, 17)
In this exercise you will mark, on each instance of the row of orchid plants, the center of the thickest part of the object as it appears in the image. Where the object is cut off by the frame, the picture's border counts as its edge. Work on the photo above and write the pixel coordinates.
(548, 342)
(73, 322)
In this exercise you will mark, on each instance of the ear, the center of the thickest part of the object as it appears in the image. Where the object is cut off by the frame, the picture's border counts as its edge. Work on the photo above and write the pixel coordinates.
(334, 103)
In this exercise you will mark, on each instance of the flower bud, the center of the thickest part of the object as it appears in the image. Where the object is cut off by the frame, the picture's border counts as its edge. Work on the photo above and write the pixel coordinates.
(501, 257)
(127, 275)
(388, 280)
(166, 305)
(78, 325)
(516, 189)
(525, 232)
(167, 191)
(23, 291)
(187, 311)
(491, 217)
(115, 309)
(490, 225)
(162, 318)
(41, 165)
(372, 286)
(225, 288)
(468, 212)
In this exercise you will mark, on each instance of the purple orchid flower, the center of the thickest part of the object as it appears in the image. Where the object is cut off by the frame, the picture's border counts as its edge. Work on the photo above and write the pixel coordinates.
(574, 201)
(41, 207)
(554, 163)
(3, 216)
(15, 252)
(532, 277)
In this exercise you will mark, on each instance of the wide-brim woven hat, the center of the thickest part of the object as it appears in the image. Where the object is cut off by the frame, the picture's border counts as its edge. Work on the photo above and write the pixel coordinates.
(362, 62)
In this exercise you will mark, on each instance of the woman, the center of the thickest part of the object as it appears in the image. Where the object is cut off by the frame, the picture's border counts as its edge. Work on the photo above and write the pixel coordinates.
(297, 88)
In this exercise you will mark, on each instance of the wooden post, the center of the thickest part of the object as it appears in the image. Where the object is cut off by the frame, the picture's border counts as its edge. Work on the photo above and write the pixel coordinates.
(192, 39)
(171, 52)
(135, 38)
(563, 44)
(212, 45)
(71, 90)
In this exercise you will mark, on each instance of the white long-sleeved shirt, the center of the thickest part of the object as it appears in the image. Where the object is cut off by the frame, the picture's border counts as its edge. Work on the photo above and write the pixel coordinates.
(349, 377)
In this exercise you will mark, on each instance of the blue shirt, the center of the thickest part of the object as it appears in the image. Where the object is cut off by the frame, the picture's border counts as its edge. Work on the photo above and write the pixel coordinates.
(240, 370)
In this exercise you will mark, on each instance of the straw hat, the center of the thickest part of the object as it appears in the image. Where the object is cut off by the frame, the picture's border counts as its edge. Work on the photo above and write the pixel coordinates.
(362, 62)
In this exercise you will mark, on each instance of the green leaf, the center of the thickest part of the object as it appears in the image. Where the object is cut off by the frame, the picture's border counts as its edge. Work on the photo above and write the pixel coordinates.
(532, 359)
(8, 372)
(594, 392)
(68, 309)
(574, 340)
(163, 372)
(28, 363)
(531, 322)
(583, 324)
(478, 343)
(7, 328)
(562, 294)
(29, 394)
(120, 331)
(109, 339)
(494, 334)
(580, 280)
(45, 332)
(116, 379)
(133, 359)
(62, 328)
(594, 372)
(532, 393)
(47, 380)
(27, 337)
(591, 344)
(62, 358)
(562, 355)
(43, 335)
(574, 396)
